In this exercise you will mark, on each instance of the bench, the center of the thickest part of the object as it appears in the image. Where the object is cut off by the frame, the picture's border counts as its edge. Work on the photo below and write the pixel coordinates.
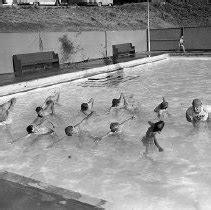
(125, 49)
(27, 63)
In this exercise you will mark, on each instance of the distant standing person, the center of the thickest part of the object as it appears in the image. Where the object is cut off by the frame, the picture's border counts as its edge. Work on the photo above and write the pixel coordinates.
(181, 44)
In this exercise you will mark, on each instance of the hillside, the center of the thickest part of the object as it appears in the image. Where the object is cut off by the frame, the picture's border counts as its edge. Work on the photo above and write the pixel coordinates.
(81, 18)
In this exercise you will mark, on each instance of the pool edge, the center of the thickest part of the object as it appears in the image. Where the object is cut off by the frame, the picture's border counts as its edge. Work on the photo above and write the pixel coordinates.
(47, 188)
(67, 77)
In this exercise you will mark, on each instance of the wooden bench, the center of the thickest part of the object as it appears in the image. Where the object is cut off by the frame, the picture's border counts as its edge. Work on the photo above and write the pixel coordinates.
(27, 63)
(125, 49)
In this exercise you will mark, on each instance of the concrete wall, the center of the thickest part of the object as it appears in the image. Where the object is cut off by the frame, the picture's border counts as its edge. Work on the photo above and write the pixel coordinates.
(71, 46)
(197, 38)
(15, 43)
(137, 38)
(85, 45)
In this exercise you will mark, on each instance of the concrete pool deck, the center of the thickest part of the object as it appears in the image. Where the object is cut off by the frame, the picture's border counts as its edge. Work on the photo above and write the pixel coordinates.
(22, 193)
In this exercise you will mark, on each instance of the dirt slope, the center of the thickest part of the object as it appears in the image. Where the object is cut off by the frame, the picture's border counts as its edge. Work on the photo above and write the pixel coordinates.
(124, 17)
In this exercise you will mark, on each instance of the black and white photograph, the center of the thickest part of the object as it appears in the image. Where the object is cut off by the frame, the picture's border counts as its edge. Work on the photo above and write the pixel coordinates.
(105, 104)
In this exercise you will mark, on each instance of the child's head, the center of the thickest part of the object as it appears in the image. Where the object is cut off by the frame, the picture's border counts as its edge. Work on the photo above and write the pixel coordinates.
(114, 127)
(30, 129)
(115, 102)
(197, 105)
(158, 126)
(69, 130)
(39, 111)
(84, 107)
(164, 105)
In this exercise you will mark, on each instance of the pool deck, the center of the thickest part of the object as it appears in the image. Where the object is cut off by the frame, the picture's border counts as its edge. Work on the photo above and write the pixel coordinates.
(7, 79)
(22, 193)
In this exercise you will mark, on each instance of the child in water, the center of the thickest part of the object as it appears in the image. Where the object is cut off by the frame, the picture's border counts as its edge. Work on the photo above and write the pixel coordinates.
(48, 107)
(162, 109)
(44, 127)
(114, 128)
(73, 129)
(87, 108)
(5, 110)
(149, 140)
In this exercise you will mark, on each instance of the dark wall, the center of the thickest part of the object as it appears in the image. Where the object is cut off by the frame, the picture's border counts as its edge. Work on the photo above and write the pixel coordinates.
(195, 38)
(164, 39)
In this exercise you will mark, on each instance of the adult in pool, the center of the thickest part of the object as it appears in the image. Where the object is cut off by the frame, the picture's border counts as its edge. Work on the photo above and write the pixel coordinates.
(5, 110)
(150, 140)
(198, 112)
(115, 128)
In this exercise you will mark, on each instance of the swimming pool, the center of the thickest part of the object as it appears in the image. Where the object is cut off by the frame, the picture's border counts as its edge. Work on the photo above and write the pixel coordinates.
(114, 169)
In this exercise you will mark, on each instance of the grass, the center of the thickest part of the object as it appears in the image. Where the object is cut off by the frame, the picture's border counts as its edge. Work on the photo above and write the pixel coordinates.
(124, 17)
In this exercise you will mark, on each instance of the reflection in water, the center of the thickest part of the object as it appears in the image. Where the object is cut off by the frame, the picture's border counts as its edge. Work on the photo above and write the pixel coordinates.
(114, 169)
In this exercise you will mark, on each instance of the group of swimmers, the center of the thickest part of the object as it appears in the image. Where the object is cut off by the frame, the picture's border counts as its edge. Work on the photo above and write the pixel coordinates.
(195, 114)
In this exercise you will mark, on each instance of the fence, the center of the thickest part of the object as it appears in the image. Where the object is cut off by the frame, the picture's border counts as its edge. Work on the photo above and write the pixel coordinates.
(79, 46)
(71, 46)
(195, 38)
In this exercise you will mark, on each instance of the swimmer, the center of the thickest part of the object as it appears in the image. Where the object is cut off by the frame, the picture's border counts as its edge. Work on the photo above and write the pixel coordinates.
(162, 109)
(87, 108)
(73, 129)
(198, 112)
(150, 137)
(5, 110)
(48, 107)
(44, 128)
(119, 103)
(114, 128)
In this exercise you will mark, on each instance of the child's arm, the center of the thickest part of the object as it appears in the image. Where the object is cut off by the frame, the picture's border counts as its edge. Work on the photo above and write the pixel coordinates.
(157, 145)
(85, 118)
(131, 118)
(97, 139)
(23, 137)
(189, 117)
(91, 101)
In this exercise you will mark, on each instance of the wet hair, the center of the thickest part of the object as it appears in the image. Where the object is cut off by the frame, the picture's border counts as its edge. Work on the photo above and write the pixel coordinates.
(38, 109)
(158, 126)
(115, 102)
(196, 102)
(84, 106)
(29, 129)
(114, 126)
(164, 105)
(69, 130)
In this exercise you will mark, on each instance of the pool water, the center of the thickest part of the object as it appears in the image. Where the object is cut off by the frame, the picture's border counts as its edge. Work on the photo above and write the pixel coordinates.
(115, 169)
